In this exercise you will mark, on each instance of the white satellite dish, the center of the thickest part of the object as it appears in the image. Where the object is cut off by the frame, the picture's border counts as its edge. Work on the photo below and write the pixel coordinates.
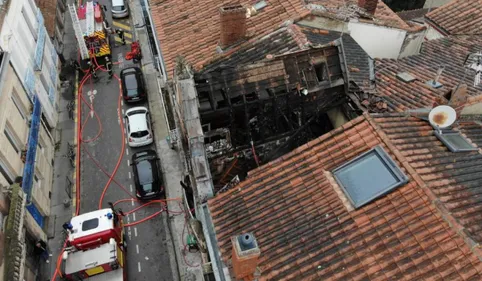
(442, 116)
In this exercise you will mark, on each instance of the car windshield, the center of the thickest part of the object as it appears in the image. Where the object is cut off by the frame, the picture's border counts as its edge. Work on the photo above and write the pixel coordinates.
(134, 112)
(131, 82)
(144, 170)
(139, 134)
(118, 8)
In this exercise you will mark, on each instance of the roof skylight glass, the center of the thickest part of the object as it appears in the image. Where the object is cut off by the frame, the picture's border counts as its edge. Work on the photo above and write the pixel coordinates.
(369, 176)
(454, 141)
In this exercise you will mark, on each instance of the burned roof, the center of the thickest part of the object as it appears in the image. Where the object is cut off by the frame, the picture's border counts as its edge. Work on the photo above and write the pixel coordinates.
(450, 53)
(186, 30)
(459, 17)
(357, 60)
(306, 229)
(292, 38)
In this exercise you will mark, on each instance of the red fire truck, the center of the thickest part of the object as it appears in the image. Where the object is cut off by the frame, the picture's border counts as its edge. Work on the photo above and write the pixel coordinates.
(96, 247)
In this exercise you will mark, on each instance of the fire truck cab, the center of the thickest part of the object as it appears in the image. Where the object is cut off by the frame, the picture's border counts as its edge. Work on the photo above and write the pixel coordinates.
(96, 247)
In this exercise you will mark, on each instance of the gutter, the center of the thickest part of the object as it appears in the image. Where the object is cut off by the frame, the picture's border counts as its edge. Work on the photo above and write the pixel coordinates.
(160, 60)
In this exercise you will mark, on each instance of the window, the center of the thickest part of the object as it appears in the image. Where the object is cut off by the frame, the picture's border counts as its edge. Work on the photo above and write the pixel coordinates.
(11, 139)
(90, 224)
(30, 25)
(6, 173)
(18, 104)
(454, 141)
(321, 72)
(38, 182)
(44, 81)
(369, 176)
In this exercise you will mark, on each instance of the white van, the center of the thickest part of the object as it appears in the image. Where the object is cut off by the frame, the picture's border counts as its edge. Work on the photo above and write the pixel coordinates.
(120, 9)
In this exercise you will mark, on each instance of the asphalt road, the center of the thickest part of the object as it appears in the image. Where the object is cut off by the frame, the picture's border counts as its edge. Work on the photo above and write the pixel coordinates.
(147, 250)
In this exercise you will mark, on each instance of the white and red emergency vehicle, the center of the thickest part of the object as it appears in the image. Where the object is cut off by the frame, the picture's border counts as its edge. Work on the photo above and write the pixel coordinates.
(96, 247)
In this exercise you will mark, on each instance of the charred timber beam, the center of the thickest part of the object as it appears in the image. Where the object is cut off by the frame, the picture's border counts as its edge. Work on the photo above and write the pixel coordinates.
(230, 106)
(290, 139)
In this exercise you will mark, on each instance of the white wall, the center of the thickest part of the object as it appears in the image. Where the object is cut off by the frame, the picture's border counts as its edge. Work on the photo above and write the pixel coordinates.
(377, 41)
(435, 3)
(411, 45)
(432, 34)
(18, 36)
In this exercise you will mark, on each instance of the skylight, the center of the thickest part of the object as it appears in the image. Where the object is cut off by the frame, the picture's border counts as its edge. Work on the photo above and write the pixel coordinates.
(454, 141)
(369, 176)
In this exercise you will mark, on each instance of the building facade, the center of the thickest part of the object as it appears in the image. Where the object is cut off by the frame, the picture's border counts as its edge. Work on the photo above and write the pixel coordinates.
(28, 108)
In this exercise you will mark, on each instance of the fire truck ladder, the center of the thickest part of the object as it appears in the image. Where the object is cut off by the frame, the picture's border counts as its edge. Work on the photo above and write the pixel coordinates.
(84, 53)
(89, 18)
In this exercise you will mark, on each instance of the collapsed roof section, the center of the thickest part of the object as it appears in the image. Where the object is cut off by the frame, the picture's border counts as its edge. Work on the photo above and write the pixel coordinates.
(268, 99)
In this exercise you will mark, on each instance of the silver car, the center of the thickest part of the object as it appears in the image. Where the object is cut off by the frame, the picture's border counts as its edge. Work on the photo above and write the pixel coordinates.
(120, 9)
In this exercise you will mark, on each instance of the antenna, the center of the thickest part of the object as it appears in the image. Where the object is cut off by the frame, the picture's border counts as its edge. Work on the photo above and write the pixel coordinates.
(441, 117)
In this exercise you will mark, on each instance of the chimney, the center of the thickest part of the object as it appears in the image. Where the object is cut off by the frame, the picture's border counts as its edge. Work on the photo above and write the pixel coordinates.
(233, 24)
(459, 98)
(369, 5)
(244, 256)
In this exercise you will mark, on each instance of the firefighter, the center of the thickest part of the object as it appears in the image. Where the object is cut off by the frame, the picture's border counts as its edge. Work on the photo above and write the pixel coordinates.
(120, 32)
(108, 66)
(92, 69)
(76, 65)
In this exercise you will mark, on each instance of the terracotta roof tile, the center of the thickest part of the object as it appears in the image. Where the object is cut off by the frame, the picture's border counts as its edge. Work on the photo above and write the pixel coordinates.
(186, 30)
(459, 17)
(450, 52)
(305, 232)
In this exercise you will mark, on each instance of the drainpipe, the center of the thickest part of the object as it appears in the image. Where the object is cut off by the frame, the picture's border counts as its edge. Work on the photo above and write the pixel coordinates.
(160, 60)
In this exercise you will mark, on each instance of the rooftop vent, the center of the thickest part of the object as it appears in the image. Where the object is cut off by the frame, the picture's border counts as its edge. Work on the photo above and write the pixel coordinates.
(405, 77)
(434, 83)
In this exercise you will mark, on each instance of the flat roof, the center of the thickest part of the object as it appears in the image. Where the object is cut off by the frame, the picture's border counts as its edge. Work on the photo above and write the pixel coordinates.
(82, 260)
(103, 223)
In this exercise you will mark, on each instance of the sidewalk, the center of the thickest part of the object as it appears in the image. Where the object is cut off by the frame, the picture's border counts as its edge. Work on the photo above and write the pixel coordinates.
(63, 171)
(171, 164)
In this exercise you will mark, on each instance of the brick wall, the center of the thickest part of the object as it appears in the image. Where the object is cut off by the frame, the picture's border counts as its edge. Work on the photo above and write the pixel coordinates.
(48, 8)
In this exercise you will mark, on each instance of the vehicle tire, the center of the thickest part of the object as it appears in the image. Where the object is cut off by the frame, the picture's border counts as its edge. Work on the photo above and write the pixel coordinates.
(124, 242)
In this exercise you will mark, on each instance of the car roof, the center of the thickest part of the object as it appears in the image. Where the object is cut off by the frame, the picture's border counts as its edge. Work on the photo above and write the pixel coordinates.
(137, 121)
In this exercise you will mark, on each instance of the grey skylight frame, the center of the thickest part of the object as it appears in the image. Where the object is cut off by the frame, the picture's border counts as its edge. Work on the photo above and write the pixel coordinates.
(450, 145)
(386, 161)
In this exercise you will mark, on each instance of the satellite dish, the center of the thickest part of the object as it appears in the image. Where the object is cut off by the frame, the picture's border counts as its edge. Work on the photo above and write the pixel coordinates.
(442, 116)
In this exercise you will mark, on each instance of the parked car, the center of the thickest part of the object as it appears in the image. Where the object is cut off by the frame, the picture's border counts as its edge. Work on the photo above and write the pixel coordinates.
(147, 177)
(120, 9)
(132, 84)
(138, 121)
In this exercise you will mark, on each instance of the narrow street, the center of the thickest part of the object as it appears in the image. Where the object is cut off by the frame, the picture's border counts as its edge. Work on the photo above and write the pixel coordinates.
(104, 146)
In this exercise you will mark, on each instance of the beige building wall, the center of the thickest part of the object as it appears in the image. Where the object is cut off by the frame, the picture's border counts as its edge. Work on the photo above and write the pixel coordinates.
(15, 111)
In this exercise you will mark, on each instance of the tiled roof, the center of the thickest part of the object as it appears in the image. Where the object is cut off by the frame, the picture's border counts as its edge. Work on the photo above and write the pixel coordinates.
(459, 17)
(187, 30)
(306, 232)
(454, 178)
(349, 9)
(413, 14)
(191, 28)
(294, 38)
(450, 52)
